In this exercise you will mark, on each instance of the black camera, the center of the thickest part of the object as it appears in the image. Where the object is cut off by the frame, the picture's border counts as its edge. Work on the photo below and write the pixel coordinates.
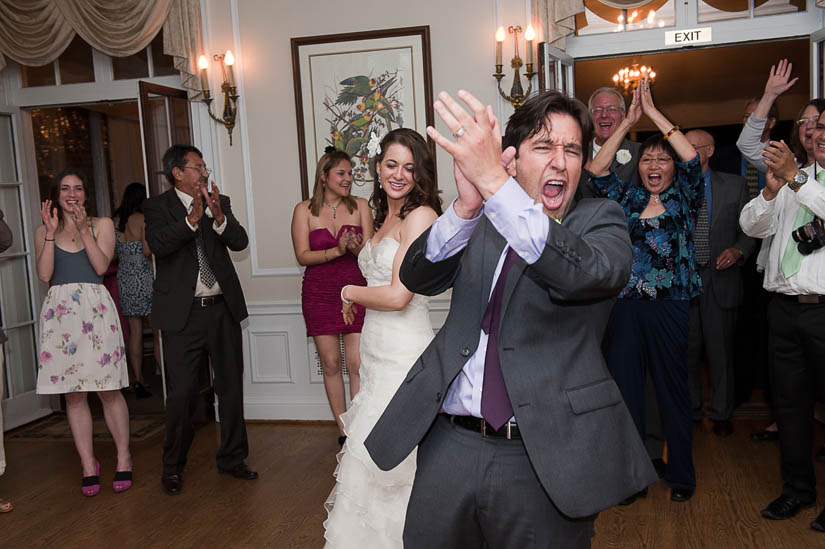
(810, 236)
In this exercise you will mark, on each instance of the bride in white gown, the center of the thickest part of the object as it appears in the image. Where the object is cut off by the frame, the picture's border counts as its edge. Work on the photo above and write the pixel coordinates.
(367, 506)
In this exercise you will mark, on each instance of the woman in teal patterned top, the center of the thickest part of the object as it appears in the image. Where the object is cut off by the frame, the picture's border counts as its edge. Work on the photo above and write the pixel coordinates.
(648, 326)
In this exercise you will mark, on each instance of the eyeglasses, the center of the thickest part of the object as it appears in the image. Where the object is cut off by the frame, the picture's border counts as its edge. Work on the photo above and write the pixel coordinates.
(202, 169)
(805, 122)
(609, 110)
(662, 160)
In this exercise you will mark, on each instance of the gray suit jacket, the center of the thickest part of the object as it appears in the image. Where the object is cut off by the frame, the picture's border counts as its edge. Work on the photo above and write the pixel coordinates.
(628, 172)
(576, 428)
(729, 196)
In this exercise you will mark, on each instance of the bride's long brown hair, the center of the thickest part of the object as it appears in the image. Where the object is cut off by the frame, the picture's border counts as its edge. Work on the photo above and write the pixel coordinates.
(424, 192)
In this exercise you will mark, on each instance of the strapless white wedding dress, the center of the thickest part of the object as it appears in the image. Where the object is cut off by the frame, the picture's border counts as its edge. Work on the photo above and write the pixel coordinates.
(367, 506)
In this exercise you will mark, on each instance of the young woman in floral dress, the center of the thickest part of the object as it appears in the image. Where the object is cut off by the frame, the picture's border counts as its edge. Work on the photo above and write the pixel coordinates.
(81, 345)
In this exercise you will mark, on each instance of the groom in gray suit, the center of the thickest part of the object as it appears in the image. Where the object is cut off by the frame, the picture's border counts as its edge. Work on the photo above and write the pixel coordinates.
(522, 433)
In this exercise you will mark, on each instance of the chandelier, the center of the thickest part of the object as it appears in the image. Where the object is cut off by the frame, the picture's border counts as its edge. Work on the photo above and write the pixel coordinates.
(629, 77)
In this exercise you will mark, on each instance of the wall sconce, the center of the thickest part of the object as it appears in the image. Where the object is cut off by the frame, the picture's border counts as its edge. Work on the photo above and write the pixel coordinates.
(517, 95)
(230, 96)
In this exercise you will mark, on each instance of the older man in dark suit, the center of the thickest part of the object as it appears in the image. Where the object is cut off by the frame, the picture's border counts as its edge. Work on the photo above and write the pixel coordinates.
(198, 304)
(721, 250)
(522, 433)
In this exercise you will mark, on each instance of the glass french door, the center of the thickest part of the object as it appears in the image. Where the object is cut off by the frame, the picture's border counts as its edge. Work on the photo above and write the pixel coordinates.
(20, 402)
(555, 70)
(164, 121)
(818, 63)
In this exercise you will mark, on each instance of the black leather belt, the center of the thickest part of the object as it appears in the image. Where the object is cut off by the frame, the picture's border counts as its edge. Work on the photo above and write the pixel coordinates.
(805, 299)
(508, 431)
(208, 301)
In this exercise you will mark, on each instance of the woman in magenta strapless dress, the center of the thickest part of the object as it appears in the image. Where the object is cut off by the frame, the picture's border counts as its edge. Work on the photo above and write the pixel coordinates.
(328, 232)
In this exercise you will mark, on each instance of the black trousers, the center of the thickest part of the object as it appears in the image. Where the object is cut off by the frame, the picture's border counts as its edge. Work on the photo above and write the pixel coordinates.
(209, 330)
(798, 373)
(476, 492)
(752, 357)
(646, 335)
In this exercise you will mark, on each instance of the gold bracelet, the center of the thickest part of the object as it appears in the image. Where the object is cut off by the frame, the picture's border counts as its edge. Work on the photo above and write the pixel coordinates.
(673, 130)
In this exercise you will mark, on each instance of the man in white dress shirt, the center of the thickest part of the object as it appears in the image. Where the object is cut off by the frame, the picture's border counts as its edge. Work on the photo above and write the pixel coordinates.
(793, 200)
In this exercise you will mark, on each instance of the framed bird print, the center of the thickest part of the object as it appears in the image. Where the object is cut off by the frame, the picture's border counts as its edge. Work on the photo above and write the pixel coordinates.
(351, 89)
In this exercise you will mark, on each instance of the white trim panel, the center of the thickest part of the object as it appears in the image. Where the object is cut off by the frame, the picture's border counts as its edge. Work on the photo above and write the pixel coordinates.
(280, 381)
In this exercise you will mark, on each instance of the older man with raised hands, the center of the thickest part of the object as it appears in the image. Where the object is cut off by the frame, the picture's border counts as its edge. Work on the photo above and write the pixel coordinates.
(790, 209)
(522, 433)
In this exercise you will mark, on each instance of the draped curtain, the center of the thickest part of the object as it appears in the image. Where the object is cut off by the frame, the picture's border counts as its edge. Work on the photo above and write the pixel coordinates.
(36, 32)
(558, 19)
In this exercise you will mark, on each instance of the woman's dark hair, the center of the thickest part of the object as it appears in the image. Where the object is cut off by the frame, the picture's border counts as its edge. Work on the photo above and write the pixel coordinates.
(796, 145)
(531, 118)
(329, 160)
(657, 141)
(132, 201)
(54, 189)
(424, 192)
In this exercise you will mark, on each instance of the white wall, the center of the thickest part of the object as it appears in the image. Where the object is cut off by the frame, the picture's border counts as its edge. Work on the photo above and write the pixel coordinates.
(260, 171)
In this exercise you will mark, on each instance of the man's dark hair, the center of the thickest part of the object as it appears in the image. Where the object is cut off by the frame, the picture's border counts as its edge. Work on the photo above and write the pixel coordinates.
(773, 112)
(531, 118)
(175, 157)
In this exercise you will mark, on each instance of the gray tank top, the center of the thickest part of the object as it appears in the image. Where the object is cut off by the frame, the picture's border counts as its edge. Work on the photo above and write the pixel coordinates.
(70, 267)
(73, 267)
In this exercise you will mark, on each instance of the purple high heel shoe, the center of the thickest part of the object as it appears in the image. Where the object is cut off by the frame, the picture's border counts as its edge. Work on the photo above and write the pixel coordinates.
(90, 486)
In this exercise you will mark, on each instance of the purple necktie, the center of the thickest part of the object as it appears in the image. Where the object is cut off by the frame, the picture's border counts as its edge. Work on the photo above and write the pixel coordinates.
(495, 404)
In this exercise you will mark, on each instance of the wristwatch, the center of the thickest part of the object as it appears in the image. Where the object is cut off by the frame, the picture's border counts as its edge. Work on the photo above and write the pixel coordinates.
(799, 179)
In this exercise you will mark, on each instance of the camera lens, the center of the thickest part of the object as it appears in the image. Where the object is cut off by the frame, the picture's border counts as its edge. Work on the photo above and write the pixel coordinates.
(799, 234)
(804, 248)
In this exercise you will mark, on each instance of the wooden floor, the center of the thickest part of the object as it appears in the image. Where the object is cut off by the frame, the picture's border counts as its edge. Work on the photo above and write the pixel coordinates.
(284, 508)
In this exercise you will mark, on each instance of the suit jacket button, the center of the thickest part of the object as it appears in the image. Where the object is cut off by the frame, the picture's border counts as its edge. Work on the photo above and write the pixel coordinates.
(438, 397)
(465, 351)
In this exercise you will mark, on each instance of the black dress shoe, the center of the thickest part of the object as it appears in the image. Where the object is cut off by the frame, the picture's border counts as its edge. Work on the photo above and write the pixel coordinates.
(820, 455)
(765, 436)
(819, 523)
(140, 391)
(241, 471)
(680, 494)
(172, 484)
(630, 499)
(785, 507)
(660, 466)
(722, 427)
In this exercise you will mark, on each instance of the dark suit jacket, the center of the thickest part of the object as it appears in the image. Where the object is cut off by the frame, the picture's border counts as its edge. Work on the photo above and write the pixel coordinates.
(173, 243)
(729, 196)
(628, 172)
(576, 428)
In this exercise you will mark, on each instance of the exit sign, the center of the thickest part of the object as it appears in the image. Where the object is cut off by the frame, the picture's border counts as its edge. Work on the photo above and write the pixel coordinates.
(688, 37)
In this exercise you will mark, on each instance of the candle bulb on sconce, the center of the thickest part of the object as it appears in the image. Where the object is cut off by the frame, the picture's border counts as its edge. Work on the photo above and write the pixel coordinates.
(529, 35)
(229, 60)
(203, 64)
(517, 96)
(230, 96)
(500, 36)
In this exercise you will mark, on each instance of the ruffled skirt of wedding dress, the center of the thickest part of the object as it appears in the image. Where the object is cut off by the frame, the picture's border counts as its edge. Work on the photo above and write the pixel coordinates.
(367, 506)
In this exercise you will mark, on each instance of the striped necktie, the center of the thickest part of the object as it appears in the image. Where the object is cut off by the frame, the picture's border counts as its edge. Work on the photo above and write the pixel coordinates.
(752, 177)
(701, 236)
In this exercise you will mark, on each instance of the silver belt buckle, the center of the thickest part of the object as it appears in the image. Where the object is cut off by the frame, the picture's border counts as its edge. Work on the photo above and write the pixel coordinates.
(483, 427)
(808, 299)
(508, 430)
